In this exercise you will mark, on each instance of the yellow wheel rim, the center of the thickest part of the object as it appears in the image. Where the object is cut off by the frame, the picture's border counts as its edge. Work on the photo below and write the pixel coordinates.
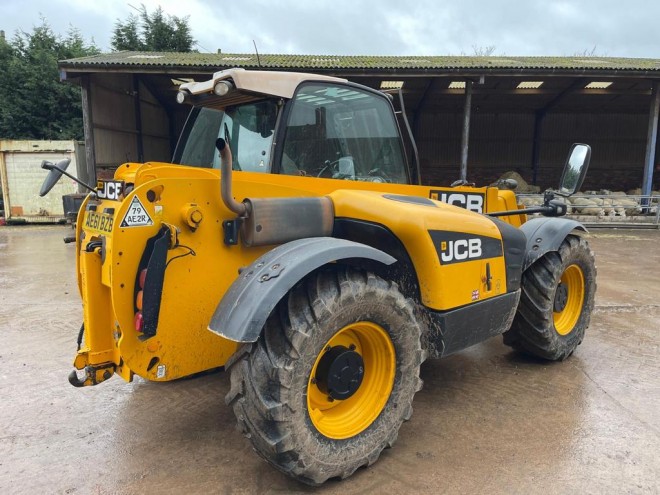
(339, 419)
(569, 298)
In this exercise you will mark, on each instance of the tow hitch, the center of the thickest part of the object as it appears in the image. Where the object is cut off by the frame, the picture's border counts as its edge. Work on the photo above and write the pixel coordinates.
(93, 375)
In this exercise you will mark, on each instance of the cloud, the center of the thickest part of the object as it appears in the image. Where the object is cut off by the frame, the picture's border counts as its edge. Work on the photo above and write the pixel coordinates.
(387, 27)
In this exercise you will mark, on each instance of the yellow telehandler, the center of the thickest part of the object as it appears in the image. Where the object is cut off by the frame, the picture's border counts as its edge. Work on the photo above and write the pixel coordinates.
(291, 243)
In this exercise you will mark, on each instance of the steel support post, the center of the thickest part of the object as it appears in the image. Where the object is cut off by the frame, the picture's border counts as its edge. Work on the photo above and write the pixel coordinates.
(467, 111)
(651, 139)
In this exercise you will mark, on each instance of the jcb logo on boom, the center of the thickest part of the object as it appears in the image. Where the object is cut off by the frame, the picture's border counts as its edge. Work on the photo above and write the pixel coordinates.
(469, 201)
(460, 250)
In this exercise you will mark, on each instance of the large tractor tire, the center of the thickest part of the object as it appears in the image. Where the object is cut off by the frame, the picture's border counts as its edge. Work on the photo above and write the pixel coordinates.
(556, 302)
(332, 377)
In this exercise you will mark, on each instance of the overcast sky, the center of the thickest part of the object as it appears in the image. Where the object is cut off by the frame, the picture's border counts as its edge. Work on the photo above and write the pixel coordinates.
(387, 27)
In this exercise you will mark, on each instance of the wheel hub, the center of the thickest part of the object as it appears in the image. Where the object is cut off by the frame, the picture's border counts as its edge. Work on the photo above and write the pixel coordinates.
(340, 372)
(561, 298)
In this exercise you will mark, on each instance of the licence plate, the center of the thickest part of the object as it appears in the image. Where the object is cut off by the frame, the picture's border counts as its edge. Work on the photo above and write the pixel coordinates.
(99, 222)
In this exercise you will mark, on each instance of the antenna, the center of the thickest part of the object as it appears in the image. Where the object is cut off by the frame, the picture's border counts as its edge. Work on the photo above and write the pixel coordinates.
(257, 52)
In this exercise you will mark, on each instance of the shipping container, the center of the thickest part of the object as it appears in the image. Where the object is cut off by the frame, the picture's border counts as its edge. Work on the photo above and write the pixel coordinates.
(21, 176)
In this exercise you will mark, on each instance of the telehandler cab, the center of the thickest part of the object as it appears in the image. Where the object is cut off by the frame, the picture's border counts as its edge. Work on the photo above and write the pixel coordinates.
(305, 258)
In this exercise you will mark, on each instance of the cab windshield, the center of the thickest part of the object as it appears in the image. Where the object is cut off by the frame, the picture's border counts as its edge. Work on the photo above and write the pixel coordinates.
(342, 133)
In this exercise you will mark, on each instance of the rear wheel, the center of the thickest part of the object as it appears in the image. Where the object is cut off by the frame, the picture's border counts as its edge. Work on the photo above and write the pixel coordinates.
(556, 302)
(332, 378)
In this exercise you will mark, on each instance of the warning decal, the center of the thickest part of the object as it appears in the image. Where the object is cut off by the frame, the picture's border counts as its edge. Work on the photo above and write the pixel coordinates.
(136, 215)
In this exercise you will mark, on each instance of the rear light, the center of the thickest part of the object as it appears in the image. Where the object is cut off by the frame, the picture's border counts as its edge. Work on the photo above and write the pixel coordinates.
(138, 321)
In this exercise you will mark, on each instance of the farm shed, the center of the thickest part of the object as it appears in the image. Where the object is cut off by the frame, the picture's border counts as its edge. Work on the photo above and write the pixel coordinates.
(484, 115)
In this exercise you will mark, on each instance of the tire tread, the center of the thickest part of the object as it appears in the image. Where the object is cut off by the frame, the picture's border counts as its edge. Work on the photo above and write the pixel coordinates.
(265, 366)
(533, 328)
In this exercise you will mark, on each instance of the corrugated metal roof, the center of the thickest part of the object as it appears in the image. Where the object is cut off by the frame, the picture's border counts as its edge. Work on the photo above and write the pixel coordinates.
(204, 61)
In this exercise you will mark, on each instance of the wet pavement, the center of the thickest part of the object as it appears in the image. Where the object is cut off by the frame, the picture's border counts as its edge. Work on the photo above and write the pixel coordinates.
(487, 421)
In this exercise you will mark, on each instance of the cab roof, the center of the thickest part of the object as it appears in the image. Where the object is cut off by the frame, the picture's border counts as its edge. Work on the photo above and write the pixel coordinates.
(266, 83)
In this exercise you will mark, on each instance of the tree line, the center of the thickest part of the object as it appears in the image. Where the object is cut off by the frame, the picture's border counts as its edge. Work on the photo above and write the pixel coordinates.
(35, 104)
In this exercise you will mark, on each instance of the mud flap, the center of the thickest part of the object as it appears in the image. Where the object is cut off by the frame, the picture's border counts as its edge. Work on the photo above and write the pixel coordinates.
(545, 235)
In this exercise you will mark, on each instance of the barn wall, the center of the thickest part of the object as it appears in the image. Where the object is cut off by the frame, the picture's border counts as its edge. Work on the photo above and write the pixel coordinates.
(618, 143)
(128, 122)
(501, 142)
(113, 120)
(155, 127)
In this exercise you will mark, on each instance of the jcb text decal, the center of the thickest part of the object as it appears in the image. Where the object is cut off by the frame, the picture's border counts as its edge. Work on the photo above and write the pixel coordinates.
(456, 247)
(109, 189)
(469, 201)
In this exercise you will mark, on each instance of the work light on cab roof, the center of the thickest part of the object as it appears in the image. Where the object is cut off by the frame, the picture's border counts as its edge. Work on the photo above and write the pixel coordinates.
(221, 88)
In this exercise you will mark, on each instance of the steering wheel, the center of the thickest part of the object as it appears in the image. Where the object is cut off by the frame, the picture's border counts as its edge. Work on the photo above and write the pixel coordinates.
(329, 168)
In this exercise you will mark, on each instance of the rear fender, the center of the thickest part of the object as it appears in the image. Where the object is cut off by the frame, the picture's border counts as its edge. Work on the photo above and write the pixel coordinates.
(545, 235)
(243, 310)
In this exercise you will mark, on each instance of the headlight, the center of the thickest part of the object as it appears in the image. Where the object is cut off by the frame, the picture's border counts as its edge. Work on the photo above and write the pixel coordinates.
(221, 88)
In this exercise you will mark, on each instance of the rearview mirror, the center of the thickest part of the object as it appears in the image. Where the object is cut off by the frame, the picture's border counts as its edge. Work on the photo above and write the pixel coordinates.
(54, 174)
(575, 169)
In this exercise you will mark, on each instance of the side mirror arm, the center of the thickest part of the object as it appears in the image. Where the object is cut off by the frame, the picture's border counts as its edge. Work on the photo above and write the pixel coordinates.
(551, 208)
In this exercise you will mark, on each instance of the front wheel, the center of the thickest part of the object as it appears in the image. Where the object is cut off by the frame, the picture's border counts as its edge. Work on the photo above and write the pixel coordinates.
(332, 378)
(556, 302)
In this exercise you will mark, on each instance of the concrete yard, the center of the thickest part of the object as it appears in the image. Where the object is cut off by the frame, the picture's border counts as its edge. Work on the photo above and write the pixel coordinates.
(487, 421)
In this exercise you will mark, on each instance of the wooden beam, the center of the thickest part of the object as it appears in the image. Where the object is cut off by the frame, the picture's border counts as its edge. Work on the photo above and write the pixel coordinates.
(465, 137)
(88, 126)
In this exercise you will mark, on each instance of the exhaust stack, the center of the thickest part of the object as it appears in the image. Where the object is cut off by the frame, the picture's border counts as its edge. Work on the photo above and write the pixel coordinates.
(225, 188)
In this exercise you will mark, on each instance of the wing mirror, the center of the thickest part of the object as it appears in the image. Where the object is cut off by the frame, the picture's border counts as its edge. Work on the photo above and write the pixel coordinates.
(574, 170)
(571, 181)
(55, 171)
